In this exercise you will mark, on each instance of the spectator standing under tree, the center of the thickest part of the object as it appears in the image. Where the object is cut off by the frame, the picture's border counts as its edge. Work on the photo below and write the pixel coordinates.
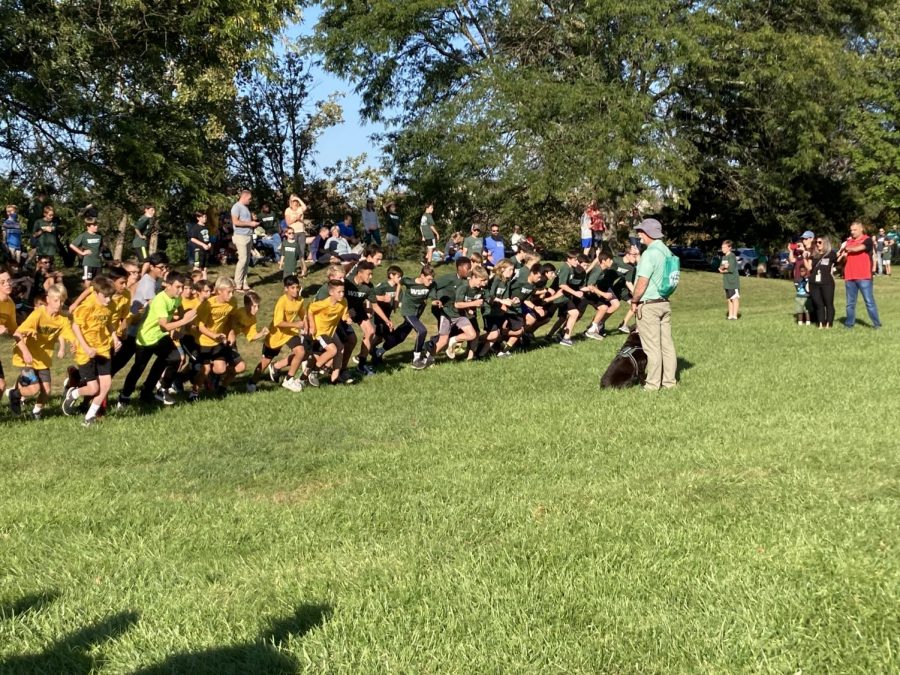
(653, 311)
(886, 254)
(143, 228)
(731, 280)
(293, 218)
(516, 237)
(392, 224)
(268, 221)
(429, 232)
(798, 254)
(858, 250)
(586, 235)
(494, 245)
(821, 281)
(371, 226)
(879, 249)
(242, 238)
(598, 226)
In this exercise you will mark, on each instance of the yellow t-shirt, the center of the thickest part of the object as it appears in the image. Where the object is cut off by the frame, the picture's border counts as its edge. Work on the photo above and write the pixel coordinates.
(97, 326)
(8, 316)
(213, 316)
(187, 304)
(327, 316)
(120, 306)
(243, 322)
(41, 332)
(286, 311)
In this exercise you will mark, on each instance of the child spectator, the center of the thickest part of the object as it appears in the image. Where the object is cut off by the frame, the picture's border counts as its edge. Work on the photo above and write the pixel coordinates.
(88, 245)
(801, 298)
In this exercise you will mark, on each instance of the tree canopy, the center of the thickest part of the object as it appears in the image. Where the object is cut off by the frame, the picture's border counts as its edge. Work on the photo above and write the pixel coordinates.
(743, 118)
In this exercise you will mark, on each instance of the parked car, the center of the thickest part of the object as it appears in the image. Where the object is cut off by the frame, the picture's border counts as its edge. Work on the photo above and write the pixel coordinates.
(691, 257)
(780, 266)
(747, 259)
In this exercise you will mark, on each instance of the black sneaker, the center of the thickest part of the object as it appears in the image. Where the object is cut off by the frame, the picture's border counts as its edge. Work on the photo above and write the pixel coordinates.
(70, 403)
(164, 397)
(313, 378)
(419, 364)
(15, 400)
(123, 402)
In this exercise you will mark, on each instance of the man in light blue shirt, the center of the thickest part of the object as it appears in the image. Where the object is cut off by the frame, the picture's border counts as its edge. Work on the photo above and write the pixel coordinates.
(653, 311)
(243, 223)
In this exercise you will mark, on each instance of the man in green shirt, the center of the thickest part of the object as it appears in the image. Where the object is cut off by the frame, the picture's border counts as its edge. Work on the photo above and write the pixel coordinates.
(728, 268)
(153, 340)
(87, 245)
(141, 241)
(474, 243)
(653, 311)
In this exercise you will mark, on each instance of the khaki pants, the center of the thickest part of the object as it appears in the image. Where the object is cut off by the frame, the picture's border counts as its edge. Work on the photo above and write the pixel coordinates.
(654, 322)
(243, 243)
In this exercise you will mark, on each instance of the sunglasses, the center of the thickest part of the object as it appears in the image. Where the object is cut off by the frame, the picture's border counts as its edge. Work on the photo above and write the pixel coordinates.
(819, 242)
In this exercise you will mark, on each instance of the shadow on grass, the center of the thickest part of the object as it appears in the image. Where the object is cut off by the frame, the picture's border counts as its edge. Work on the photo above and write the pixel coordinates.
(683, 365)
(28, 603)
(262, 656)
(73, 653)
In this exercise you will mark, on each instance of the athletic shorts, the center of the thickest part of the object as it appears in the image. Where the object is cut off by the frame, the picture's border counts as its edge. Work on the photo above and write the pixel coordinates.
(732, 293)
(358, 317)
(392, 239)
(430, 243)
(344, 331)
(587, 243)
(93, 369)
(514, 322)
(321, 342)
(89, 273)
(494, 322)
(295, 341)
(571, 304)
(225, 353)
(801, 305)
(40, 376)
(201, 257)
(140, 252)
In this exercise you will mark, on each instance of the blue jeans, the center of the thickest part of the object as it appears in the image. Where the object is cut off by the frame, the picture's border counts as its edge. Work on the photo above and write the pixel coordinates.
(274, 241)
(864, 285)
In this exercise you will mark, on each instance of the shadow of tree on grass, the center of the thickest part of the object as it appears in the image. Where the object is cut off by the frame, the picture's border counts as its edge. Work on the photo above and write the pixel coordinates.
(261, 656)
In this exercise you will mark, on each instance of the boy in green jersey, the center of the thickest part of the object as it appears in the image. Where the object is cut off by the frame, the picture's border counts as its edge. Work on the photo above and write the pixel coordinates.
(141, 241)
(599, 285)
(87, 245)
(731, 280)
(417, 292)
(290, 254)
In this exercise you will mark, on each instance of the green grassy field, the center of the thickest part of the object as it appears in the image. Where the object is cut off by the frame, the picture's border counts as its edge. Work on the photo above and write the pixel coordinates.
(501, 516)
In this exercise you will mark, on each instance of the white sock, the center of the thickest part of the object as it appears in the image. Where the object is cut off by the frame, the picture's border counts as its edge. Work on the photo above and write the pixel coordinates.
(37, 408)
(92, 411)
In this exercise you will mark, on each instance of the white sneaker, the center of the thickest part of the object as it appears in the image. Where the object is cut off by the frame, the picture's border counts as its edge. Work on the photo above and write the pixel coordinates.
(292, 384)
(451, 348)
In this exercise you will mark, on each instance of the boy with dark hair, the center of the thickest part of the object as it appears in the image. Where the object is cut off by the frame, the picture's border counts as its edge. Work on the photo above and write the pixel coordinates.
(324, 317)
(199, 237)
(570, 302)
(290, 254)
(153, 341)
(387, 293)
(145, 290)
(417, 293)
(141, 241)
(288, 328)
(625, 266)
(599, 286)
(44, 235)
(87, 245)
(362, 303)
(429, 232)
(95, 339)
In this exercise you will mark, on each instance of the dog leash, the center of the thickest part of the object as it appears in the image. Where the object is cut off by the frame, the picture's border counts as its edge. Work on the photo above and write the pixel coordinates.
(629, 352)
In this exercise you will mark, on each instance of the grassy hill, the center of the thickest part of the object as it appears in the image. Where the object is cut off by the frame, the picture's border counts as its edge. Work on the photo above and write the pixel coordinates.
(499, 516)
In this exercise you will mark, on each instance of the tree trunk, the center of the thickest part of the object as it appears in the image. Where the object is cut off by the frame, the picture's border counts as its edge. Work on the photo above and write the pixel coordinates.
(120, 238)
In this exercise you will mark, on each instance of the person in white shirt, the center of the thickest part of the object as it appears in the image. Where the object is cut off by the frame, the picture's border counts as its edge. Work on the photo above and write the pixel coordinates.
(370, 223)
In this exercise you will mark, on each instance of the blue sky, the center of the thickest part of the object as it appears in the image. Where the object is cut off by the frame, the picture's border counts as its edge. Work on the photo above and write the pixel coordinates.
(352, 137)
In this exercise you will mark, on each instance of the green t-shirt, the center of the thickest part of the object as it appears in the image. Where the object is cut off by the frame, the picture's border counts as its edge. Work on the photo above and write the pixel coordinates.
(142, 226)
(521, 288)
(652, 266)
(624, 269)
(425, 226)
(464, 293)
(47, 243)
(161, 307)
(384, 288)
(473, 244)
(322, 293)
(290, 253)
(573, 277)
(357, 295)
(731, 279)
(602, 278)
(91, 242)
(445, 287)
(415, 296)
(501, 289)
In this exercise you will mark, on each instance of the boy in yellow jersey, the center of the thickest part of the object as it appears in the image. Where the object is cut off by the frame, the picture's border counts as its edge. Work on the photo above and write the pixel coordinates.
(243, 322)
(8, 323)
(36, 338)
(216, 340)
(324, 317)
(288, 328)
(95, 340)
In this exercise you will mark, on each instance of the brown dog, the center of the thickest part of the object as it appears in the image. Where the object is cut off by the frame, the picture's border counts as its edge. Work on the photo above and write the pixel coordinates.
(629, 367)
